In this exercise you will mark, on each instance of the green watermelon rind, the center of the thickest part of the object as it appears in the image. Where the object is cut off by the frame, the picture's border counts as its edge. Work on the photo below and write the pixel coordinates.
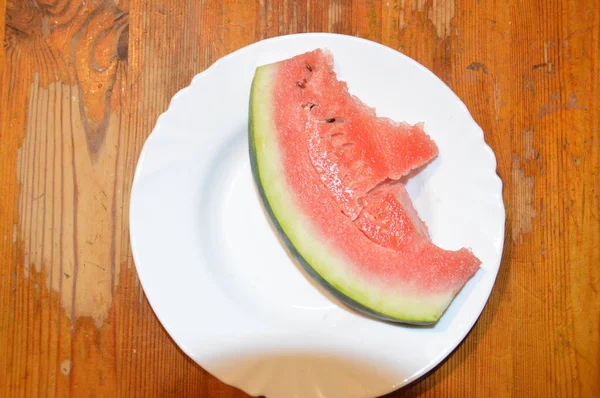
(319, 259)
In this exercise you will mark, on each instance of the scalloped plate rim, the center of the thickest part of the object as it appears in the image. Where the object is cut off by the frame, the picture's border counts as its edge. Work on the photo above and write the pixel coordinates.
(160, 129)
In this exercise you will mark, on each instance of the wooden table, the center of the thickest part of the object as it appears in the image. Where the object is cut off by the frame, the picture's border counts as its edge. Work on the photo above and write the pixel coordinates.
(83, 84)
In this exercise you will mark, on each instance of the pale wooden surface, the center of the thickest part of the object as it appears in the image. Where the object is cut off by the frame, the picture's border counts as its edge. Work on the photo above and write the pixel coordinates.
(83, 84)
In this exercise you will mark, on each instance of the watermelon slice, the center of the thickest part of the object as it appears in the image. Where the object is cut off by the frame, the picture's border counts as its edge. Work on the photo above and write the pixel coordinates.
(325, 166)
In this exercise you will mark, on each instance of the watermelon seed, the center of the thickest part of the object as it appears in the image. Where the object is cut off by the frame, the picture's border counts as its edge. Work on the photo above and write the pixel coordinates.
(346, 146)
(308, 106)
(334, 120)
(309, 67)
(301, 84)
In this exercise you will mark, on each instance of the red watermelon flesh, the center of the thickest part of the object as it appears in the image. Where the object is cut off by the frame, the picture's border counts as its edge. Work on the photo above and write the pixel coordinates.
(351, 149)
(389, 219)
(308, 95)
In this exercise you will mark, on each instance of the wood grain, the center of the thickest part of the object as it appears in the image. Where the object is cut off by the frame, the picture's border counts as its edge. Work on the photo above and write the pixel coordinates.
(83, 84)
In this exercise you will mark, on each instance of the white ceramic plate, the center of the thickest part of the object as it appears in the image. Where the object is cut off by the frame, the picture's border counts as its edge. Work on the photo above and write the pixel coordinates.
(221, 283)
